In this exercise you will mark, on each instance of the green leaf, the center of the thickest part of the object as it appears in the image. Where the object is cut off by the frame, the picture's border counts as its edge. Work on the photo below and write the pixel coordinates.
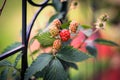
(86, 26)
(15, 75)
(65, 25)
(67, 43)
(38, 65)
(72, 65)
(45, 39)
(40, 74)
(71, 54)
(17, 59)
(57, 5)
(67, 65)
(32, 40)
(3, 75)
(52, 18)
(106, 42)
(92, 50)
(55, 71)
(12, 46)
(5, 63)
(35, 51)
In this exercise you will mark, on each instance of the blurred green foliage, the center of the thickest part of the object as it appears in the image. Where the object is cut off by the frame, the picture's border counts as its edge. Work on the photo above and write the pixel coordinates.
(10, 23)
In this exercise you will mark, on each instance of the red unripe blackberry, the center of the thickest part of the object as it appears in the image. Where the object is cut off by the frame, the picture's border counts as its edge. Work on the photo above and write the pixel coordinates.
(65, 35)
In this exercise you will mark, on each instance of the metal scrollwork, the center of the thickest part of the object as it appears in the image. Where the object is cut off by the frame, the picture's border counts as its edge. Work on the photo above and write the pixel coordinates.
(26, 31)
(38, 5)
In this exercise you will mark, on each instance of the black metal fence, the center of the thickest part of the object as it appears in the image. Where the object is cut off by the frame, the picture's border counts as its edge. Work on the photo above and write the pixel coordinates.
(26, 30)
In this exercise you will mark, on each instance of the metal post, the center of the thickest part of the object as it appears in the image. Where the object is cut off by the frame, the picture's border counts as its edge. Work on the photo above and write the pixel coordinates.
(24, 63)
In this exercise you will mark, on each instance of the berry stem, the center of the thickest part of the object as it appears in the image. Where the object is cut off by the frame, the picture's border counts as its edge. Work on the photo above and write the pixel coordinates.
(86, 37)
(83, 41)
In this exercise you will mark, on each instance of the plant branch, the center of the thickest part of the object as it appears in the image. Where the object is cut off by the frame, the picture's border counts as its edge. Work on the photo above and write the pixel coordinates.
(1, 9)
(83, 41)
(96, 30)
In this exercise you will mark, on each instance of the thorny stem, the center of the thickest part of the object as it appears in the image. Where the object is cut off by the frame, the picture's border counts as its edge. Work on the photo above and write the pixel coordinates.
(96, 30)
(83, 41)
(1, 9)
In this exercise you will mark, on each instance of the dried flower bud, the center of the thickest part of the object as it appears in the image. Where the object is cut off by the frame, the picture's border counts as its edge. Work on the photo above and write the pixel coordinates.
(73, 26)
(54, 31)
(100, 25)
(57, 44)
(104, 17)
(57, 22)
